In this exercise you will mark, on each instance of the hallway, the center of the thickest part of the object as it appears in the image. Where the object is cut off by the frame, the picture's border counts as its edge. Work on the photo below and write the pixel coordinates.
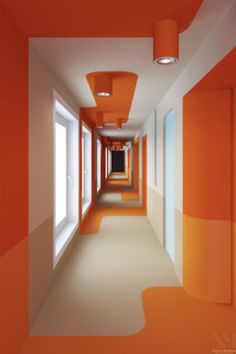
(118, 177)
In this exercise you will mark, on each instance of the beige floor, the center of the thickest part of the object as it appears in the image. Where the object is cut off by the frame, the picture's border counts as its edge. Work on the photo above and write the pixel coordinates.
(99, 290)
(118, 176)
(114, 199)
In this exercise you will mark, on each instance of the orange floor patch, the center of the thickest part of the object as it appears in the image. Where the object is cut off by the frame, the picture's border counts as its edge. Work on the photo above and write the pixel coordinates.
(175, 323)
(92, 221)
(129, 196)
(118, 182)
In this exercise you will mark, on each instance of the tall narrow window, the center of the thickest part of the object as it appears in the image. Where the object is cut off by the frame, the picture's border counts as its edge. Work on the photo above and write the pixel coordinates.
(83, 167)
(106, 162)
(98, 165)
(109, 162)
(66, 215)
(86, 168)
(61, 171)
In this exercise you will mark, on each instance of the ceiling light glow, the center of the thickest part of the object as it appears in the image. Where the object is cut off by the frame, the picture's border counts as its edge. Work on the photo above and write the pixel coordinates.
(165, 60)
(103, 94)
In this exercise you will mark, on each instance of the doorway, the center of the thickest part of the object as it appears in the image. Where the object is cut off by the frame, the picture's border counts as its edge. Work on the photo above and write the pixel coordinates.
(118, 161)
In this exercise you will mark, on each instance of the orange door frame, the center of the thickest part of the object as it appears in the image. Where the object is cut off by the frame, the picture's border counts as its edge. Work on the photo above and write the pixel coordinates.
(144, 172)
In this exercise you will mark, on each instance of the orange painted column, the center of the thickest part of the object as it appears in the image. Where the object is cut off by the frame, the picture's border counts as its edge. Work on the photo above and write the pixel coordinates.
(13, 186)
(129, 166)
(103, 165)
(234, 193)
(144, 172)
(136, 166)
(207, 194)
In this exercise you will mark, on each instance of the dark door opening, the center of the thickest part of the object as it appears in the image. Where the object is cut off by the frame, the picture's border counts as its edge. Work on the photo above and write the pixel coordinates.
(118, 161)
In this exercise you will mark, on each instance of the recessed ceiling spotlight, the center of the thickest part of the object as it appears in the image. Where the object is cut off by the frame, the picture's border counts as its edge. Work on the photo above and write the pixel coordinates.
(166, 60)
(103, 94)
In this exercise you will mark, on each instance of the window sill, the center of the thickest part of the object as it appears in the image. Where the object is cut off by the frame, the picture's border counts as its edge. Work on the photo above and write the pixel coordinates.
(63, 238)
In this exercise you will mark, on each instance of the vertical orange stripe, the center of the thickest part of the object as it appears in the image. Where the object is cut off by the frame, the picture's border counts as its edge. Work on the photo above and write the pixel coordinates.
(144, 172)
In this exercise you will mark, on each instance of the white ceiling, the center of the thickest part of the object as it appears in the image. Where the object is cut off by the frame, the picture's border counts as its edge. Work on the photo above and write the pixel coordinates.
(72, 58)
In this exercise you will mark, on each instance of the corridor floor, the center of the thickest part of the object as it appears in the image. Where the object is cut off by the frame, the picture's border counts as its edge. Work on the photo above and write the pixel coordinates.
(118, 198)
(98, 291)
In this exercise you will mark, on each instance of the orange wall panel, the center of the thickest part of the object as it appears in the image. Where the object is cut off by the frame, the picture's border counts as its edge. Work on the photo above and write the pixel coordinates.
(13, 186)
(234, 194)
(207, 207)
(144, 172)
(234, 150)
(207, 259)
(13, 134)
(136, 166)
(207, 154)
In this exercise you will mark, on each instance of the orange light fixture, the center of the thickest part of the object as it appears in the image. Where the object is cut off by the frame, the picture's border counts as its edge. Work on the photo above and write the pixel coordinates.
(99, 120)
(166, 42)
(103, 85)
(118, 123)
(105, 140)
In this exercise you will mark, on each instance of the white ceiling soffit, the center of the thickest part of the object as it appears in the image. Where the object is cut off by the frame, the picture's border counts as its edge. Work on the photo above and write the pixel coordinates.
(72, 58)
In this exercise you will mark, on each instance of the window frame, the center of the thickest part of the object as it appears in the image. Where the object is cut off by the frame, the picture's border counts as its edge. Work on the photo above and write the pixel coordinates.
(65, 230)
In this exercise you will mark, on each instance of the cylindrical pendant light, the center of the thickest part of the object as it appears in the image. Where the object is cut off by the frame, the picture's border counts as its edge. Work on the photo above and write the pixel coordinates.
(99, 120)
(105, 140)
(103, 85)
(118, 123)
(166, 42)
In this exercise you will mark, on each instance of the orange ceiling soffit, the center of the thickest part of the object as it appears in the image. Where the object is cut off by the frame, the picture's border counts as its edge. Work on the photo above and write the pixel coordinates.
(166, 42)
(73, 18)
(119, 103)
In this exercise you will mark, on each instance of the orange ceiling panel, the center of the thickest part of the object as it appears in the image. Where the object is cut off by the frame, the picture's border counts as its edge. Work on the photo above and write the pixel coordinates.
(94, 18)
(118, 105)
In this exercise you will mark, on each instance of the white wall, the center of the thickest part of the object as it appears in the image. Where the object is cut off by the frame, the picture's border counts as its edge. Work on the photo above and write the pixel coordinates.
(42, 84)
(217, 42)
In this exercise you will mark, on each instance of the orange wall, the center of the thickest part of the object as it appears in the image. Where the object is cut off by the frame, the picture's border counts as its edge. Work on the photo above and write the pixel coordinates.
(207, 154)
(144, 172)
(13, 134)
(207, 194)
(13, 186)
(234, 151)
(103, 165)
(136, 166)
(234, 194)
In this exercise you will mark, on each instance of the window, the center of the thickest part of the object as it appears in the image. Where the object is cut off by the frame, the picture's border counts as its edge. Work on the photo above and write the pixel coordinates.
(61, 171)
(65, 176)
(83, 166)
(99, 151)
(109, 162)
(106, 161)
(86, 168)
